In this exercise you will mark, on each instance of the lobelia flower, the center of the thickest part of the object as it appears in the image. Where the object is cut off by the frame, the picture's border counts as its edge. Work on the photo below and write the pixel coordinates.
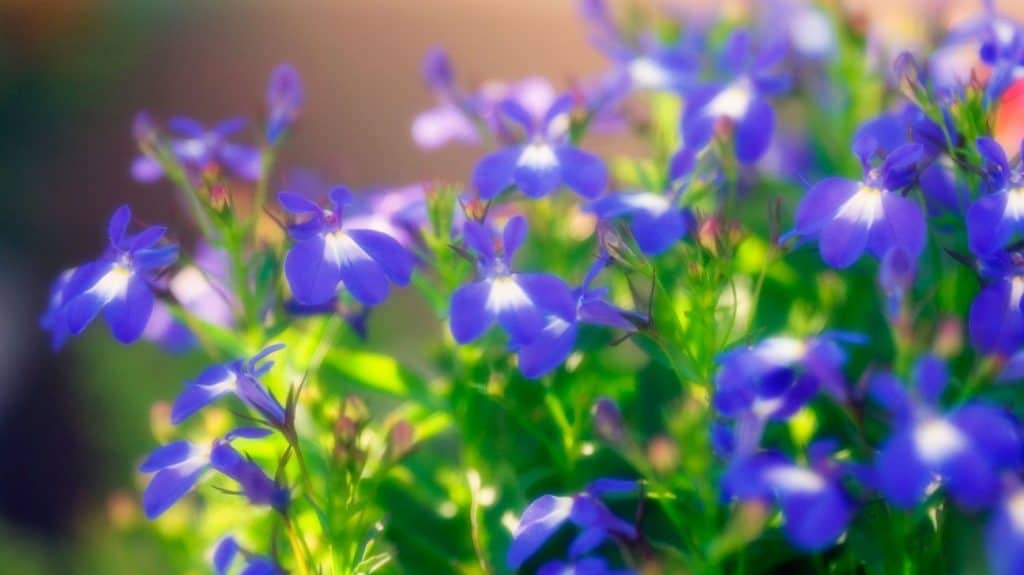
(542, 163)
(228, 549)
(896, 276)
(178, 466)
(284, 101)
(998, 216)
(196, 147)
(518, 302)
(643, 63)
(117, 284)
(964, 450)
(815, 507)
(557, 338)
(991, 40)
(326, 254)
(241, 378)
(739, 102)
(1004, 536)
(462, 117)
(656, 220)
(846, 217)
(596, 523)
(995, 320)
(806, 28)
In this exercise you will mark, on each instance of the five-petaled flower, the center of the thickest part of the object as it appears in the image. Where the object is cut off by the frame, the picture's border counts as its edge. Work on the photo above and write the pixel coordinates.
(740, 102)
(117, 284)
(997, 217)
(846, 217)
(995, 321)
(241, 378)
(178, 466)
(585, 510)
(326, 254)
(964, 450)
(544, 161)
(516, 301)
(196, 147)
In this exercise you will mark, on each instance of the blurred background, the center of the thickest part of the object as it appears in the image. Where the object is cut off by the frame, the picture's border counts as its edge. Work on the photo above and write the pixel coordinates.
(72, 75)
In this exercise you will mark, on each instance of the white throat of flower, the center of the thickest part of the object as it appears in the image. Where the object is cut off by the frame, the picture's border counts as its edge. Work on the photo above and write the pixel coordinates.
(648, 74)
(538, 155)
(113, 283)
(863, 207)
(936, 440)
(794, 479)
(732, 102)
(506, 294)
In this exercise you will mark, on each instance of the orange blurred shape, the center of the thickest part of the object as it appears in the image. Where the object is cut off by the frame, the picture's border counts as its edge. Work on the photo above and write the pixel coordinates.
(1009, 125)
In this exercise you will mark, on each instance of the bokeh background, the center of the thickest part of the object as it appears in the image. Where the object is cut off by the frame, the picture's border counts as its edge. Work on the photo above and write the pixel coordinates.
(72, 75)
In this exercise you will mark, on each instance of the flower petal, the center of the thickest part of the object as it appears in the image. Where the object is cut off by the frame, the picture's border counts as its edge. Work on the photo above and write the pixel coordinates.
(495, 172)
(312, 276)
(469, 316)
(582, 172)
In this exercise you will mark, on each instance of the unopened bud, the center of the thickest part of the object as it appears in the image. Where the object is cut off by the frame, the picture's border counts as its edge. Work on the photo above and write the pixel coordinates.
(400, 440)
(608, 420)
(663, 454)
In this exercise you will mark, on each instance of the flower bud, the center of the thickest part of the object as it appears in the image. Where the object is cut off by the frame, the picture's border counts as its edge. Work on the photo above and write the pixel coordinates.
(607, 420)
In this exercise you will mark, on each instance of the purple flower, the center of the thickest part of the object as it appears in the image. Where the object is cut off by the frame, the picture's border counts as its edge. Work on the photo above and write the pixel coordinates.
(398, 212)
(542, 163)
(643, 63)
(997, 217)
(596, 523)
(815, 507)
(896, 276)
(740, 101)
(1004, 536)
(846, 217)
(228, 549)
(518, 302)
(995, 321)
(284, 100)
(241, 378)
(964, 450)
(196, 147)
(656, 220)
(463, 117)
(326, 254)
(178, 466)
(557, 338)
(992, 39)
(116, 284)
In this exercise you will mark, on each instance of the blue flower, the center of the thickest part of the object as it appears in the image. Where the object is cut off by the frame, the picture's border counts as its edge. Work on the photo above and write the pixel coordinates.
(964, 450)
(846, 217)
(596, 523)
(197, 147)
(284, 101)
(656, 220)
(996, 320)
(997, 217)
(1004, 536)
(117, 284)
(516, 301)
(999, 41)
(740, 101)
(896, 276)
(643, 63)
(178, 466)
(228, 549)
(815, 507)
(326, 254)
(241, 378)
(543, 162)
(556, 340)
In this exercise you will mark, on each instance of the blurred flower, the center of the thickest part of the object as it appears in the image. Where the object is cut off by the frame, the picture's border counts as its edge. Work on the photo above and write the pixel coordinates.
(656, 220)
(178, 466)
(228, 549)
(241, 378)
(896, 276)
(990, 43)
(596, 522)
(284, 101)
(963, 450)
(195, 146)
(995, 218)
(516, 301)
(116, 284)
(739, 101)
(995, 320)
(815, 508)
(587, 566)
(326, 253)
(1005, 534)
(544, 162)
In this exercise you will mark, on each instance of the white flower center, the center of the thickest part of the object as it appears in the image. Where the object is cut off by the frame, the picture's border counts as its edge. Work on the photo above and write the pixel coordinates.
(763, 408)
(1014, 204)
(1015, 509)
(506, 294)
(781, 350)
(733, 101)
(793, 479)
(538, 156)
(936, 440)
(648, 74)
(864, 207)
(113, 283)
